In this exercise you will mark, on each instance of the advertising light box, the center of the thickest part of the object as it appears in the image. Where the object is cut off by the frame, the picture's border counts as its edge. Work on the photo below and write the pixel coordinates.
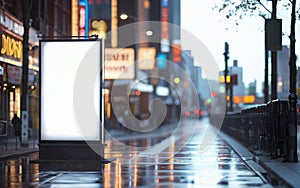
(70, 77)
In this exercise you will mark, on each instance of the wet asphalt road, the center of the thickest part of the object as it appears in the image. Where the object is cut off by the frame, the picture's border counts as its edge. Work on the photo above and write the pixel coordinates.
(154, 160)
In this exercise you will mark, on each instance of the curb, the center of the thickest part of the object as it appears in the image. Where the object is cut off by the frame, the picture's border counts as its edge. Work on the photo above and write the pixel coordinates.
(17, 153)
(276, 172)
(279, 171)
(246, 156)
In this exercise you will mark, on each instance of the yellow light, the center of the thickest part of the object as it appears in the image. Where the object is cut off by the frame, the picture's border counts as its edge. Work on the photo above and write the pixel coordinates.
(249, 99)
(146, 4)
(106, 91)
(298, 91)
(114, 23)
(108, 112)
(237, 99)
(74, 17)
(222, 79)
(280, 84)
(228, 79)
(176, 80)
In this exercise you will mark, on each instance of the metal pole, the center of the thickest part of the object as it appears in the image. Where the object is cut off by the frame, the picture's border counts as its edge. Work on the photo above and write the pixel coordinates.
(292, 137)
(274, 75)
(226, 57)
(231, 95)
(274, 59)
(266, 84)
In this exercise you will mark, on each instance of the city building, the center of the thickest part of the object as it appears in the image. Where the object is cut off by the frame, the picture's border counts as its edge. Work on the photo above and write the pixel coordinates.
(252, 88)
(47, 18)
(150, 47)
(239, 89)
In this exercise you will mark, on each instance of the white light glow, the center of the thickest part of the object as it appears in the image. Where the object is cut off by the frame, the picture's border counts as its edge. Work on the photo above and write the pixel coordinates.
(162, 91)
(60, 63)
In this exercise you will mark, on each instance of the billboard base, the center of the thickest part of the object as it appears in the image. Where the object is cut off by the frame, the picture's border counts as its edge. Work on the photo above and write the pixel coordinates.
(71, 151)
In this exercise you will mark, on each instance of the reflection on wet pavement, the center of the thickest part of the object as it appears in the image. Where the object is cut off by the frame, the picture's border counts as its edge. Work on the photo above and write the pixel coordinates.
(195, 165)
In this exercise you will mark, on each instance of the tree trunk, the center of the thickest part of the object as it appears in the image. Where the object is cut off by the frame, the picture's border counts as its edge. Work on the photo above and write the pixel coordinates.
(26, 9)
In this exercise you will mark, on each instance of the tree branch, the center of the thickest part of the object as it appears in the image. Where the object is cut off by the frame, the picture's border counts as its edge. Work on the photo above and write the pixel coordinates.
(260, 3)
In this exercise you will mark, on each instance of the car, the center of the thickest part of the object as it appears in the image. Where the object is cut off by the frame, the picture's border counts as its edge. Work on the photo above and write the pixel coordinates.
(194, 113)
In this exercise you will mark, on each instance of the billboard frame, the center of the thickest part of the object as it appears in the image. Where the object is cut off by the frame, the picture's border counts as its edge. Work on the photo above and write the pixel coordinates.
(72, 149)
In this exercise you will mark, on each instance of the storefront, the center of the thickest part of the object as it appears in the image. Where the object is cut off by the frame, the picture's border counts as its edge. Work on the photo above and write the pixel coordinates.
(11, 32)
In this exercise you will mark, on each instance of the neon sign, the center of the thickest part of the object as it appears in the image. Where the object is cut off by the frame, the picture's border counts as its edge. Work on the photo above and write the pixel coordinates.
(82, 17)
(165, 43)
(11, 47)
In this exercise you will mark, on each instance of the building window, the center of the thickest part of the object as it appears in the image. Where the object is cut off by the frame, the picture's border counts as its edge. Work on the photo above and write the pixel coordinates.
(15, 103)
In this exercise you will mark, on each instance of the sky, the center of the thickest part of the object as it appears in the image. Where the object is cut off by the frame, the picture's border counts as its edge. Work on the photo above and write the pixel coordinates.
(246, 41)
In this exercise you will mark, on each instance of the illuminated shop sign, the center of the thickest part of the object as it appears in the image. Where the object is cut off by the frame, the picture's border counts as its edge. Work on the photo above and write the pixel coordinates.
(82, 18)
(146, 58)
(165, 43)
(11, 49)
(11, 24)
(161, 61)
(99, 17)
(119, 63)
(176, 49)
(164, 3)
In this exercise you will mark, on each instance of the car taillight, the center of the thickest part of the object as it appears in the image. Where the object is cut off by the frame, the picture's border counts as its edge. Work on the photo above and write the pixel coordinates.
(201, 112)
(187, 113)
(196, 111)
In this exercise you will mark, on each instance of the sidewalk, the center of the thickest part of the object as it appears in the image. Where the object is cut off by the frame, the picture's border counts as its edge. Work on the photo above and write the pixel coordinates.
(12, 147)
(287, 173)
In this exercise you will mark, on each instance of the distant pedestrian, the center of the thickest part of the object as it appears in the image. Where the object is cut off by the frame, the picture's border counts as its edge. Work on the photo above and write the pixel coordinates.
(17, 125)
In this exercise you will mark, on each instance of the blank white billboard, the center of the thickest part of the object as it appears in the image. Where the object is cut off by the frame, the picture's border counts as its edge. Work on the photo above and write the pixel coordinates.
(70, 75)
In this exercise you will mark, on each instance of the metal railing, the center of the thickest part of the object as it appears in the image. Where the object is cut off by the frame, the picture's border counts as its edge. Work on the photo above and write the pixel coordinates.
(262, 129)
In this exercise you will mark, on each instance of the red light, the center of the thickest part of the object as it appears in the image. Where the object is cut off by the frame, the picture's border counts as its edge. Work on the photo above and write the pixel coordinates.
(187, 113)
(213, 94)
(196, 111)
(297, 109)
(201, 112)
(138, 92)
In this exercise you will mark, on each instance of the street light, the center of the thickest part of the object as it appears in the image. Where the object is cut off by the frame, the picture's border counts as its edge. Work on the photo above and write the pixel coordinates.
(124, 16)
